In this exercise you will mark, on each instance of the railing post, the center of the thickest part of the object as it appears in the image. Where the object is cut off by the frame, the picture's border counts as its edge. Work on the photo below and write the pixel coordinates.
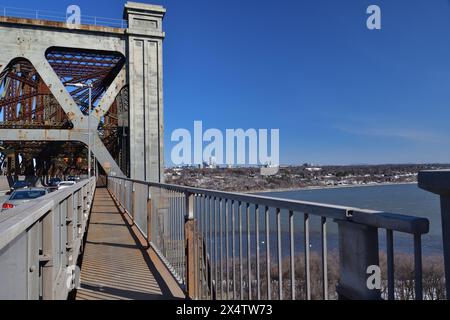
(190, 255)
(33, 261)
(120, 198)
(133, 200)
(46, 258)
(71, 239)
(438, 182)
(86, 207)
(149, 217)
(125, 196)
(358, 249)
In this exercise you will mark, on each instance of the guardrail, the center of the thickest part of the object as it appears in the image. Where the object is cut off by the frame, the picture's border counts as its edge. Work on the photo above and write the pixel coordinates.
(438, 182)
(222, 245)
(61, 17)
(40, 242)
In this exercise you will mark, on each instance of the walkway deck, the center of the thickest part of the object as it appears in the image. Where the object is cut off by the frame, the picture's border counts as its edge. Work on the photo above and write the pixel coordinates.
(115, 264)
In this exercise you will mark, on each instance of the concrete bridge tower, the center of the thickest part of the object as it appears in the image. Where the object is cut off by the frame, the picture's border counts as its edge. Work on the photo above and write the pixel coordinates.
(145, 75)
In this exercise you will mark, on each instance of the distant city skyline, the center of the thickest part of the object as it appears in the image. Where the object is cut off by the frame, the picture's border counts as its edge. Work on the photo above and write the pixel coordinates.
(338, 92)
(307, 164)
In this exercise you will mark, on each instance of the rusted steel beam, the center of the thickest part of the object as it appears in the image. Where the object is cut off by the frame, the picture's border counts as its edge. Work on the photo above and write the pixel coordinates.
(31, 83)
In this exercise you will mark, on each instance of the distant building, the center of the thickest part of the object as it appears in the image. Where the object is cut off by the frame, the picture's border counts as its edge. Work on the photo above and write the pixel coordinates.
(212, 163)
(313, 169)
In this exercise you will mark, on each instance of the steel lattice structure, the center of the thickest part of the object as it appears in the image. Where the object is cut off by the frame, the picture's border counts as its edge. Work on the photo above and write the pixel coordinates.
(85, 66)
(26, 102)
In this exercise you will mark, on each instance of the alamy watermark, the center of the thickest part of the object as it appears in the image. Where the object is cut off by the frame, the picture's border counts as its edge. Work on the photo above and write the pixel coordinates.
(73, 14)
(374, 20)
(374, 279)
(228, 149)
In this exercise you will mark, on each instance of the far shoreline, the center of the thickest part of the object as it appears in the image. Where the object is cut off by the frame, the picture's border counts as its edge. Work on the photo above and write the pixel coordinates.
(328, 187)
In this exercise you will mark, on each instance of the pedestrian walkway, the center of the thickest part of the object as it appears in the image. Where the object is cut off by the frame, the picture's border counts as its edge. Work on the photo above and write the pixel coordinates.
(115, 265)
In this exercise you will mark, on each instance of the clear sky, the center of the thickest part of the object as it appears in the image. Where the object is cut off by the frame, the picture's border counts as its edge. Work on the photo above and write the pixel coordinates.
(338, 92)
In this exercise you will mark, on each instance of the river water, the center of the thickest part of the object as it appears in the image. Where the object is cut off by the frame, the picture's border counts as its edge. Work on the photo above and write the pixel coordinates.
(400, 198)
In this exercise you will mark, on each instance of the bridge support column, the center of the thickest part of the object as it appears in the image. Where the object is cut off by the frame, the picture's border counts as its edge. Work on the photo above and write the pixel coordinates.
(358, 249)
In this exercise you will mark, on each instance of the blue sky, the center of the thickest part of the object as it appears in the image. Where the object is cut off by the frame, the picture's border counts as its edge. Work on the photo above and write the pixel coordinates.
(338, 92)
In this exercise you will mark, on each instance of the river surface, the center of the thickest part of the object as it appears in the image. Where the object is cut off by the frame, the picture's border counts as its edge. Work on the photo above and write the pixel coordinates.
(400, 198)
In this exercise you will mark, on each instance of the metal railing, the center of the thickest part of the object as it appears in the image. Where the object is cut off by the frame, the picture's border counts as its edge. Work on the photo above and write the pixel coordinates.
(438, 182)
(61, 17)
(222, 245)
(159, 214)
(40, 242)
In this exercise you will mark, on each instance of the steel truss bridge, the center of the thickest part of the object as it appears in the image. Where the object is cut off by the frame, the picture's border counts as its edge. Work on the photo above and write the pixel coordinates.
(44, 119)
(134, 237)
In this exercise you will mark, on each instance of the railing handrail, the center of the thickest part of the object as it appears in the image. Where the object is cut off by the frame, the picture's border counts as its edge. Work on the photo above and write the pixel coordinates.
(60, 16)
(380, 219)
(22, 217)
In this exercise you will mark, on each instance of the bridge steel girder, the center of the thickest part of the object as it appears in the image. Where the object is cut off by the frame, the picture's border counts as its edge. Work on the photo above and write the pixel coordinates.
(97, 147)
(20, 41)
(108, 98)
(140, 43)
